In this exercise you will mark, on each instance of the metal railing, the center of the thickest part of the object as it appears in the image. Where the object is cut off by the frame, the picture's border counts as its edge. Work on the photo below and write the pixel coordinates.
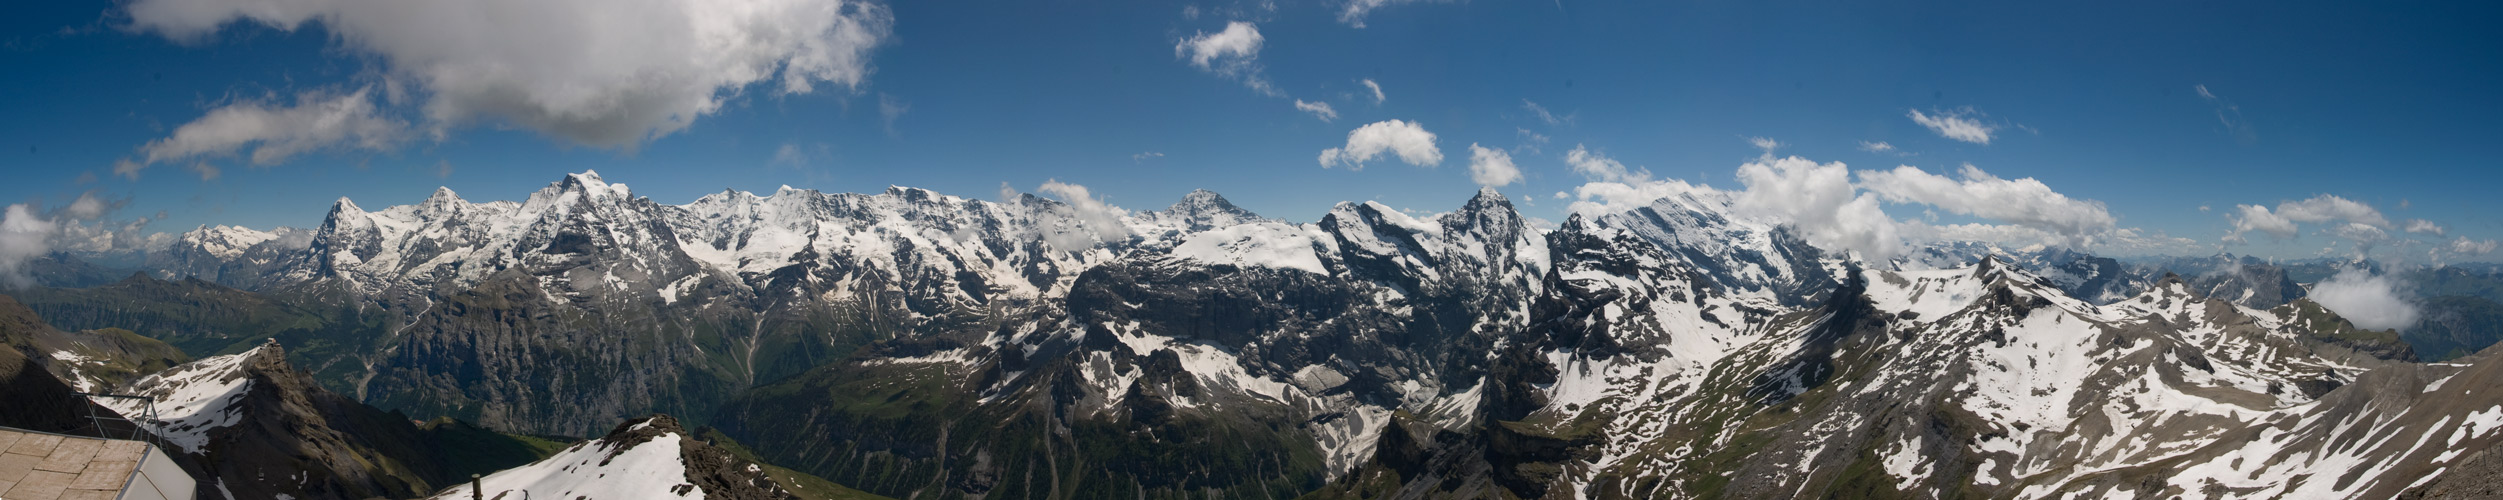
(145, 427)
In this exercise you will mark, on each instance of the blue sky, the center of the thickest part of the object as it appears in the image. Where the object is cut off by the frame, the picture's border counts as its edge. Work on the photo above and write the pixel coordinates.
(2386, 106)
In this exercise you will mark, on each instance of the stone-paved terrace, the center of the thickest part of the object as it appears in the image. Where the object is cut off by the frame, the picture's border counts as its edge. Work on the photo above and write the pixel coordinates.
(38, 466)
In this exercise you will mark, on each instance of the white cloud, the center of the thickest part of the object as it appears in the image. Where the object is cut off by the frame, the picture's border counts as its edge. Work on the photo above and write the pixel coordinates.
(1103, 221)
(2349, 219)
(1143, 156)
(1531, 140)
(24, 235)
(1615, 188)
(1833, 212)
(2421, 226)
(2369, 301)
(318, 121)
(1819, 200)
(2466, 246)
(1600, 168)
(789, 155)
(2231, 116)
(1320, 110)
(2325, 208)
(1955, 124)
(1378, 98)
(1353, 13)
(2025, 202)
(609, 73)
(1405, 139)
(1492, 167)
(891, 108)
(1768, 145)
(2257, 218)
(87, 206)
(1543, 115)
(207, 172)
(1232, 53)
(1877, 147)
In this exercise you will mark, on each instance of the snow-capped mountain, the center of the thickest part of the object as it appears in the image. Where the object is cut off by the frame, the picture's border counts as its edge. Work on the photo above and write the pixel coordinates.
(648, 457)
(256, 427)
(917, 344)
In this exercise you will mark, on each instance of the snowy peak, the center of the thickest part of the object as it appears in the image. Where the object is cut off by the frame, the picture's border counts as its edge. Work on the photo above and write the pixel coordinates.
(562, 195)
(193, 399)
(651, 457)
(1202, 210)
(443, 203)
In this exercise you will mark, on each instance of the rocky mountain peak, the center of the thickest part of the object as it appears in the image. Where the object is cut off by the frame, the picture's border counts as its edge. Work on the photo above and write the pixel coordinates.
(344, 206)
(650, 457)
(1202, 210)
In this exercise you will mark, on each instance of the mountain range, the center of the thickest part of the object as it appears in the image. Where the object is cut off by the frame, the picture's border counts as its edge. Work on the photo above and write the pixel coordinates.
(911, 344)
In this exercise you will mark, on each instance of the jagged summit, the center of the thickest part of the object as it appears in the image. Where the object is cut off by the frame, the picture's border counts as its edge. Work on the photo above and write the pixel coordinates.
(650, 457)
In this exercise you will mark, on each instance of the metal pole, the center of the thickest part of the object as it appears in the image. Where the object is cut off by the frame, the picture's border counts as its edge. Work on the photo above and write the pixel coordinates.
(476, 492)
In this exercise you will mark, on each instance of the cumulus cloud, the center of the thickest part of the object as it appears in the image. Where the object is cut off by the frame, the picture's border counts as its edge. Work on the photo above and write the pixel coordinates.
(317, 121)
(1765, 144)
(1820, 200)
(1614, 188)
(2325, 208)
(1320, 110)
(2369, 301)
(2250, 218)
(2465, 246)
(2346, 218)
(1955, 124)
(24, 235)
(87, 206)
(1102, 221)
(1492, 167)
(1832, 210)
(1144, 155)
(1407, 140)
(2026, 202)
(1600, 168)
(608, 73)
(1378, 98)
(1232, 53)
(1877, 147)
(2421, 226)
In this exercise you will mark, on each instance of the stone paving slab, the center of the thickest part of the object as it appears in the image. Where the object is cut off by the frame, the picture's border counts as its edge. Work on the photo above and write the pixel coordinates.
(41, 485)
(71, 456)
(14, 467)
(36, 444)
(39, 466)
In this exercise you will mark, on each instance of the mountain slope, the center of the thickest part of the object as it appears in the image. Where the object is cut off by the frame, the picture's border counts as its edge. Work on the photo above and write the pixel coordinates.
(643, 458)
(260, 428)
(1984, 381)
